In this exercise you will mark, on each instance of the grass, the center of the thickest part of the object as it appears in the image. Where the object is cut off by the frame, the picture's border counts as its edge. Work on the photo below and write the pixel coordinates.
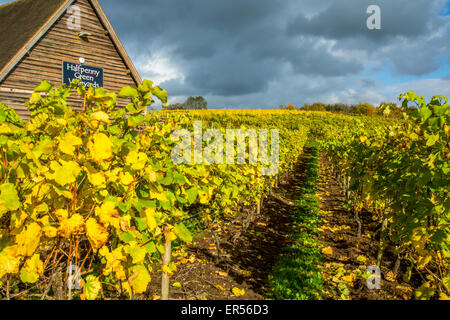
(296, 275)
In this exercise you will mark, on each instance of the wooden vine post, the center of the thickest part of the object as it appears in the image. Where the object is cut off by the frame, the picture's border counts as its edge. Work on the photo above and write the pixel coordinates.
(165, 275)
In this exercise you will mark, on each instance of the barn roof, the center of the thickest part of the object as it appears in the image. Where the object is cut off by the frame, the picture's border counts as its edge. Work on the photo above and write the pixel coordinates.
(19, 21)
(24, 22)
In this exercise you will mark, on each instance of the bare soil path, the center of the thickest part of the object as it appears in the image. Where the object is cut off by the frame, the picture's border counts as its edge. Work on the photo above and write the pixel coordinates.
(346, 251)
(246, 263)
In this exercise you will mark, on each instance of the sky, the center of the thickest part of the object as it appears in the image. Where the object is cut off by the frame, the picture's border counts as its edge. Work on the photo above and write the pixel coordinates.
(267, 53)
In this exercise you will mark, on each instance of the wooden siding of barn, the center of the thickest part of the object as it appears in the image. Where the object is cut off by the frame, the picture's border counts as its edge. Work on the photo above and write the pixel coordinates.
(44, 60)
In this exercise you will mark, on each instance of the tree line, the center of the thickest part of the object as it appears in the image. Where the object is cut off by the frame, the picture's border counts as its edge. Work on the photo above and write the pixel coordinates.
(192, 103)
(357, 109)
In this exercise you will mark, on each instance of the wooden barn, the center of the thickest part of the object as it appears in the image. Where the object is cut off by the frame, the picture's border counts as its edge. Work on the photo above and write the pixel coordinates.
(57, 41)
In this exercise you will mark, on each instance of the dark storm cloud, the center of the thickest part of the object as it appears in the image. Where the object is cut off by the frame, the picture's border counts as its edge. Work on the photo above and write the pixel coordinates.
(344, 19)
(205, 36)
(196, 51)
(176, 87)
(317, 61)
(242, 47)
(405, 25)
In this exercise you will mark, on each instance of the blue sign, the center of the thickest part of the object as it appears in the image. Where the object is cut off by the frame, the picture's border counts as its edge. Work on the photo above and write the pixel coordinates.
(87, 74)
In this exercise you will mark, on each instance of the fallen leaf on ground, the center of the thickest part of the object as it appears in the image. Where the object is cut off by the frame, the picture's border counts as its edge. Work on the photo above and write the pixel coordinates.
(238, 292)
(261, 224)
(361, 259)
(390, 276)
(350, 278)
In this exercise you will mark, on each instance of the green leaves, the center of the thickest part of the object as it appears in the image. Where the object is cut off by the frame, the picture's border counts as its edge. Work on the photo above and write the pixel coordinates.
(127, 237)
(425, 113)
(432, 139)
(139, 279)
(128, 92)
(192, 195)
(32, 270)
(65, 172)
(10, 115)
(9, 200)
(135, 120)
(136, 160)
(179, 179)
(403, 175)
(91, 288)
(425, 292)
(44, 86)
(183, 233)
(161, 94)
(137, 253)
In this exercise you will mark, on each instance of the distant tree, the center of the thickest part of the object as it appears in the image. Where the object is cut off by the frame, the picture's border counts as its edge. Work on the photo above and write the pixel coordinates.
(176, 106)
(317, 106)
(290, 106)
(338, 107)
(196, 103)
(363, 109)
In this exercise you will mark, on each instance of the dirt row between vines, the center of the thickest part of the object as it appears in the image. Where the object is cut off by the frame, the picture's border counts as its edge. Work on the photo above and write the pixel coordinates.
(247, 262)
(339, 232)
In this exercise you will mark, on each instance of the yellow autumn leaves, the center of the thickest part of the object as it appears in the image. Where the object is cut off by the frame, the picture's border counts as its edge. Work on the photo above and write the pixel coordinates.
(114, 261)
(138, 280)
(96, 234)
(328, 251)
(69, 226)
(100, 147)
(91, 288)
(9, 262)
(78, 179)
(136, 160)
(9, 200)
(32, 270)
(150, 215)
(138, 277)
(64, 172)
(108, 215)
(238, 292)
(419, 240)
(28, 240)
(68, 143)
